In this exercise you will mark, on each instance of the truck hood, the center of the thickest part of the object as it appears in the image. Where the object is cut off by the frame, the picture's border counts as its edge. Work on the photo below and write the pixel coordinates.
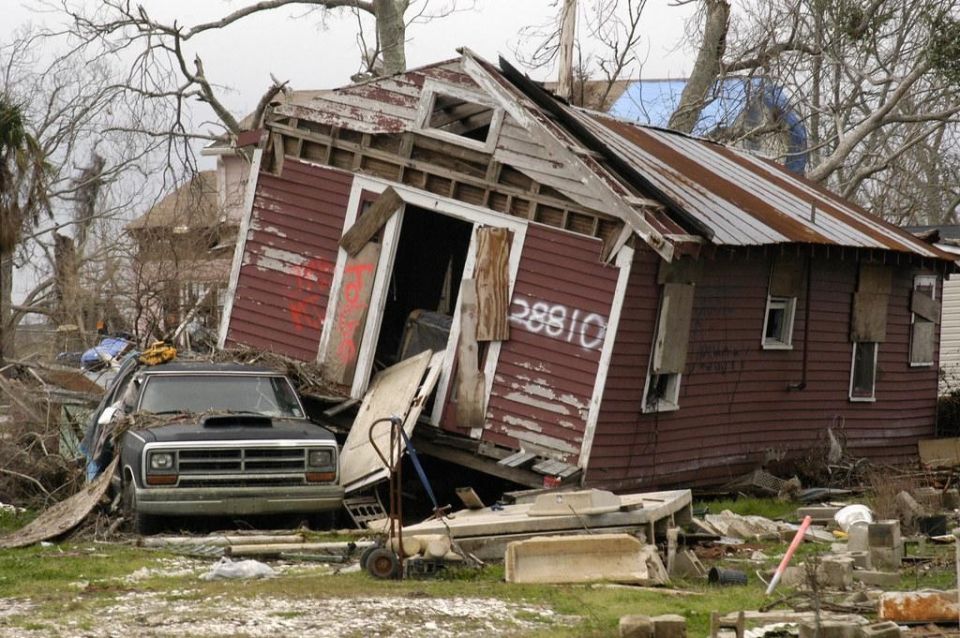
(235, 427)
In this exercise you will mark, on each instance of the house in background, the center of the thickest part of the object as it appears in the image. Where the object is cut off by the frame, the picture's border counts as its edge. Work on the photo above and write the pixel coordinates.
(184, 247)
(627, 306)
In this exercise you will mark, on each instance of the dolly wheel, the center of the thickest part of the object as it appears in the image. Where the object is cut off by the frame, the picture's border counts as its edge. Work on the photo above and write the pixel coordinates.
(383, 563)
(365, 556)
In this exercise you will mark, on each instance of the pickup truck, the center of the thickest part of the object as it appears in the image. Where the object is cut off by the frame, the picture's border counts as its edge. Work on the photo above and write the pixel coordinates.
(200, 438)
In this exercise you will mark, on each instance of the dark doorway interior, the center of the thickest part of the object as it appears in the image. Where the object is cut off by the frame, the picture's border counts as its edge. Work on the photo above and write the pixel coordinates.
(426, 274)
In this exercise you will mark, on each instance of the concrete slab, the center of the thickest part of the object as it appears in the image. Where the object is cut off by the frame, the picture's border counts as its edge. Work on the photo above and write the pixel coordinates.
(584, 558)
(637, 510)
(877, 579)
(669, 626)
(636, 626)
(579, 502)
(829, 629)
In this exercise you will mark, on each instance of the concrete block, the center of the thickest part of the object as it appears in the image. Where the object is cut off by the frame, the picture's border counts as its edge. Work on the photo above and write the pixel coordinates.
(886, 557)
(584, 558)
(919, 606)
(830, 629)
(858, 537)
(836, 572)
(929, 497)
(876, 578)
(794, 576)
(884, 534)
(669, 626)
(687, 565)
(861, 560)
(636, 626)
(885, 629)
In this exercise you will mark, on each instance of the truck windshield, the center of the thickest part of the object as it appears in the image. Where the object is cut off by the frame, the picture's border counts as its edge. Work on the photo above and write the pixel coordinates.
(264, 395)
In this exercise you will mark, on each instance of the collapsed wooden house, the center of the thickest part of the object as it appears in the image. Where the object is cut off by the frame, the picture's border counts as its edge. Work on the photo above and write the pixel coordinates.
(620, 305)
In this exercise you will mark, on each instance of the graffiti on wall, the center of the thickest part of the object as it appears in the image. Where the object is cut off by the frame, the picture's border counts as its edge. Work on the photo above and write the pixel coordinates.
(311, 280)
(557, 321)
(352, 309)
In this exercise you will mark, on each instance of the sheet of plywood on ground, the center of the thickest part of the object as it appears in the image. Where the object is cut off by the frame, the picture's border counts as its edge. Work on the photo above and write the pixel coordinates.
(637, 510)
(63, 516)
(470, 381)
(493, 284)
(353, 301)
(391, 394)
(371, 221)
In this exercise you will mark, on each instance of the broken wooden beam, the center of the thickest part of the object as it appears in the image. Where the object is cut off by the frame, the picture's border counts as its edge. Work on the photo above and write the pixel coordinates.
(371, 221)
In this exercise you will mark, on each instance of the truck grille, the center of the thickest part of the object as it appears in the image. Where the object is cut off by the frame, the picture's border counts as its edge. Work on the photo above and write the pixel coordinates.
(238, 467)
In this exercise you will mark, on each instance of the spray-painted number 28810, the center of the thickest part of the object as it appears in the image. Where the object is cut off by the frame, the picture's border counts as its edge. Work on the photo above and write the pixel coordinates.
(572, 325)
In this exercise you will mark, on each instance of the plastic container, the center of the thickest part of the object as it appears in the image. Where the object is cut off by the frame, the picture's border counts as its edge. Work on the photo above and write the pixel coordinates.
(853, 514)
(719, 576)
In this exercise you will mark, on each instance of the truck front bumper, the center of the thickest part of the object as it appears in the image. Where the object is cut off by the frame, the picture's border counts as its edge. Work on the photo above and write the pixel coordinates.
(241, 501)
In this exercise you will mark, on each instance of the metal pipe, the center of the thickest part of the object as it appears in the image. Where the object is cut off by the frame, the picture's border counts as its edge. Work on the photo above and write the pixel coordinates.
(786, 557)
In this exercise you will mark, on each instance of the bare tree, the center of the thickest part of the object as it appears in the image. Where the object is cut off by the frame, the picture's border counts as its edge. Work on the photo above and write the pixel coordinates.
(52, 192)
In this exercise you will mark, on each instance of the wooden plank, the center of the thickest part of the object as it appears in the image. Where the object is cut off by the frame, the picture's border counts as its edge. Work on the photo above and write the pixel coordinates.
(371, 221)
(353, 301)
(278, 153)
(875, 278)
(673, 329)
(471, 387)
(939, 453)
(492, 274)
(868, 322)
(684, 270)
(786, 276)
(923, 336)
(925, 306)
(391, 394)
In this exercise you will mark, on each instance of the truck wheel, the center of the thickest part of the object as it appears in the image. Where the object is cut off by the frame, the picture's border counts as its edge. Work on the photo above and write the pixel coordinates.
(383, 563)
(140, 523)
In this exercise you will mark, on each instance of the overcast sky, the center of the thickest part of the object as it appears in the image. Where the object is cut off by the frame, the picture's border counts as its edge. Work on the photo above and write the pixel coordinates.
(298, 47)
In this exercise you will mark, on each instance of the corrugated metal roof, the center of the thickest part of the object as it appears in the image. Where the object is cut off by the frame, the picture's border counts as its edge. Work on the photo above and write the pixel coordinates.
(745, 199)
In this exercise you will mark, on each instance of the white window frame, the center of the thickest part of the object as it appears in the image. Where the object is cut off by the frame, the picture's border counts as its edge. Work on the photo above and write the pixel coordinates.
(428, 96)
(873, 386)
(920, 281)
(790, 311)
(671, 402)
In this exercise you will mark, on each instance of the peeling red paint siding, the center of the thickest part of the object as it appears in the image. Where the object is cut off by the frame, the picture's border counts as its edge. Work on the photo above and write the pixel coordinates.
(546, 372)
(734, 403)
(289, 258)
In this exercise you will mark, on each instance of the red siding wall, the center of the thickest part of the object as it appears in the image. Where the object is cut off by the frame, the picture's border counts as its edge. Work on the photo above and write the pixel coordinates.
(734, 404)
(547, 369)
(288, 261)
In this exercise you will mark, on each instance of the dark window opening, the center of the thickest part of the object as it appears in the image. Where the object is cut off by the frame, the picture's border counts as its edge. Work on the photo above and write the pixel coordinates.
(863, 375)
(459, 117)
(662, 392)
(424, 285)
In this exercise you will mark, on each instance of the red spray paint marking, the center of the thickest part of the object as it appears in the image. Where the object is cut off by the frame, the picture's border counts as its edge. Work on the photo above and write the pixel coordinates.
(310, 280)
(351, 310)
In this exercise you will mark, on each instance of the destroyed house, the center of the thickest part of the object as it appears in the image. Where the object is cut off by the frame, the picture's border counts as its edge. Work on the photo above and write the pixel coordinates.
(614, 304)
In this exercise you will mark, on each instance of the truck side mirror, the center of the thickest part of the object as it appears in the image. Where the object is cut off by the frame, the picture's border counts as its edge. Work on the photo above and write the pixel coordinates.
(107, 415)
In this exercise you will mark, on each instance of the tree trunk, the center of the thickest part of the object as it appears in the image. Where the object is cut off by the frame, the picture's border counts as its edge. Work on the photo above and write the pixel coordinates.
(392, 32)
(706, 69)
(6, 292)
(568, 28)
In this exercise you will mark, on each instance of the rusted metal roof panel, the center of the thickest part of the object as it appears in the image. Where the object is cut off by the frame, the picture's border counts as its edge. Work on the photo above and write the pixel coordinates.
(288, 261)
(558, 315)
(747, 200)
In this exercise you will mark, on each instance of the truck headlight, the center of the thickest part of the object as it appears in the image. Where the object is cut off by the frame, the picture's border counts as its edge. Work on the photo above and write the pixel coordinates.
(320, 458)
(161, 461)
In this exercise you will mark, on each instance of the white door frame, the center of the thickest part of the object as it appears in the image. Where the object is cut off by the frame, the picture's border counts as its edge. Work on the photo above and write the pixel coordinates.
(475, 215)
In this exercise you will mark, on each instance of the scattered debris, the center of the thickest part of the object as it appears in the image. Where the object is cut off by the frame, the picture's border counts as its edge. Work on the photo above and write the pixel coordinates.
(225, 569)
(584, 558)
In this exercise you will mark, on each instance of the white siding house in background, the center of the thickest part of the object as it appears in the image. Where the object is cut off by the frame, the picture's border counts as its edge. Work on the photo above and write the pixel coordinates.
(950, 332)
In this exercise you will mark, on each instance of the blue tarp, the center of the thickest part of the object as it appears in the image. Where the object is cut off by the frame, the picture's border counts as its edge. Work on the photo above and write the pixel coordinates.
(108, 348)
(652, 101)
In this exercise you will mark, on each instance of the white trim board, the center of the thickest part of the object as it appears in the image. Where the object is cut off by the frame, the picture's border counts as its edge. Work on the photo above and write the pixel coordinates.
(625, 263)
(241, 246)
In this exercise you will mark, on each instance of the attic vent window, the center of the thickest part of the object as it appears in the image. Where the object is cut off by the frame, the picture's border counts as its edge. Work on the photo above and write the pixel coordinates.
(460, 116)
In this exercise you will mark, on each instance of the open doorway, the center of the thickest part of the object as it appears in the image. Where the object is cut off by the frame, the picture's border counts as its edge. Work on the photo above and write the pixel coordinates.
(424, 285)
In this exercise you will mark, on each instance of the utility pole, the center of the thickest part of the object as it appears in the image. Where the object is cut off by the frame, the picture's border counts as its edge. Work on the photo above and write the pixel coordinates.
(568, 27)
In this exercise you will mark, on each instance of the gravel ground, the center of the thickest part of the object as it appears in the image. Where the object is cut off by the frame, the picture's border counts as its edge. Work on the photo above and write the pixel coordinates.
(179, 613)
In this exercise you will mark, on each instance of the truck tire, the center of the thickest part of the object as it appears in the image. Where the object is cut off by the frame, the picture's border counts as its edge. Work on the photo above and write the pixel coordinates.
(139, 522)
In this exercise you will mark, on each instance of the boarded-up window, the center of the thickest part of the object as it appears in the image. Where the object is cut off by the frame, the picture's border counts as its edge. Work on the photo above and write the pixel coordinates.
(670, 348)
(786, 282)
(868, 318)
(925, 315)
(493, 284)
